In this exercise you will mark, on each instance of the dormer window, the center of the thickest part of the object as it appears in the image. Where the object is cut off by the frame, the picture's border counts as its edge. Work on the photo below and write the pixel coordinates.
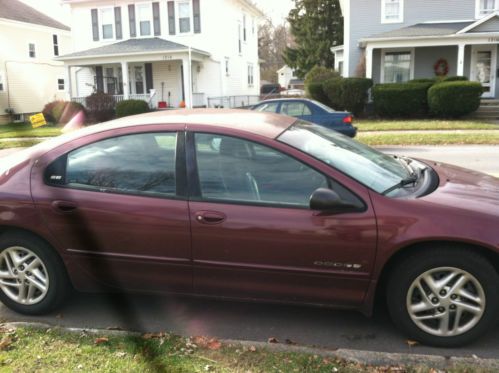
(107, 23)
(485, 7)
(392, 11)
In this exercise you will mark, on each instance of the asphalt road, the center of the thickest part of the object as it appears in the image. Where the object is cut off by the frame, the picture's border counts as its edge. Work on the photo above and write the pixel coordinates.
(257, 322)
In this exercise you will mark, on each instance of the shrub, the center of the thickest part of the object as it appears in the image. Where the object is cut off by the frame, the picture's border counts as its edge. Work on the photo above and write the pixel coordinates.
(401, 99)
(318, 74)
(316, 92)
(424, 80)
(348, 93)
(100, 107)
(131, 107)
(455, 79)
(455, 98)
(61, 112)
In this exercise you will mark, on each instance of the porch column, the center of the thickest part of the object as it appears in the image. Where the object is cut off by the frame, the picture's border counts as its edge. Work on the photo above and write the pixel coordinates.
(68, 84)
(460, 59)
(369, 62)
(126, 80)
(187, 82)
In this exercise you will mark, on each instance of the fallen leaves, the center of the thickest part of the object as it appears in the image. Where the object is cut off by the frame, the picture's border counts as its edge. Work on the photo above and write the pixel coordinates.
(101, 340)
(272, 340)
(205, 342)
(153, 335)
(5, 343)
(411, 343)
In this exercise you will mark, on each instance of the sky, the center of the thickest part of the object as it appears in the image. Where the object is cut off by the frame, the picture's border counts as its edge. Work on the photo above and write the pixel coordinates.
(277, 9)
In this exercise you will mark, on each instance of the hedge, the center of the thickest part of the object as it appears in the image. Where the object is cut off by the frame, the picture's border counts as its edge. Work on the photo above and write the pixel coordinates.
(100, 107)
(61, 112)
(455, 79)
(348, 93)
(454, 99)
(131, 107)
(316, 92)
(401, 99)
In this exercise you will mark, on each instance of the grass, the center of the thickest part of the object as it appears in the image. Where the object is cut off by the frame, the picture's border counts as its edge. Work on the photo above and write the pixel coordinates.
(466, 138)
(14, 130)
(54, 350)
(18, 143)
(414, 125)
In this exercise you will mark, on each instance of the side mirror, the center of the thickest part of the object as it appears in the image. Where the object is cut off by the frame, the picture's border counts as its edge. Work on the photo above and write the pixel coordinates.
(324, 199)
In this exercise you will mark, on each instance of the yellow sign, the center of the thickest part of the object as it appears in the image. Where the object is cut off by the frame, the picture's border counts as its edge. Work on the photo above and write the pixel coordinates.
(37, 120)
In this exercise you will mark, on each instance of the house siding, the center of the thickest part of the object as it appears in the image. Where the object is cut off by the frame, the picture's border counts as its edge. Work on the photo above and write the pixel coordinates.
(365, 19)
(30, 83)
(491, 25)
(425, 59)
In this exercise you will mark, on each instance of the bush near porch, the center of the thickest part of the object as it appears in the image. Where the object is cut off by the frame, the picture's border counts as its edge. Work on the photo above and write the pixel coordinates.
(454, 98)
(100, 106)
(403, 100)
(61, 112)
(131, 107)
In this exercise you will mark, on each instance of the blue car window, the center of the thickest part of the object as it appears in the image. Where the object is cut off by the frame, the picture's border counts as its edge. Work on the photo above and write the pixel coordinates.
(295, 109)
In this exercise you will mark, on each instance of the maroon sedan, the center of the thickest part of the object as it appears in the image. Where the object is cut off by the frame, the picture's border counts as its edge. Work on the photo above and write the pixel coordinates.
(251, 206)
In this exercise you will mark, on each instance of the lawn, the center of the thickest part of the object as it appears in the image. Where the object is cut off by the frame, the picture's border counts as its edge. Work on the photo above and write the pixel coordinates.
(53, 350)
(432, 138)
(414, 125)
(26, 130)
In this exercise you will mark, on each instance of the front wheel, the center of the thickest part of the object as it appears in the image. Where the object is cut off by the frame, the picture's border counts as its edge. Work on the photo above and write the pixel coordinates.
(444, 297)
(33, 279)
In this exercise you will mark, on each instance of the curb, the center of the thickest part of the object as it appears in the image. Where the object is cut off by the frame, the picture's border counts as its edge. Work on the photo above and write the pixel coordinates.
(371, 358)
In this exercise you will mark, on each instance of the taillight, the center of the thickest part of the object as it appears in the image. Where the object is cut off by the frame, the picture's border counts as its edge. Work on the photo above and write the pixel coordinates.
(348, 119)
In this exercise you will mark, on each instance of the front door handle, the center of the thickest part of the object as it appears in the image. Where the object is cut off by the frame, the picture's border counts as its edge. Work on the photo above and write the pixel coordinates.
(65, 207)
(210, 217)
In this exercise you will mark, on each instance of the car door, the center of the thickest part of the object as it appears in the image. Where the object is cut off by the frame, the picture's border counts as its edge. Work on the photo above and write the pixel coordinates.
(116, 206)
(297, 109)
(254, 235)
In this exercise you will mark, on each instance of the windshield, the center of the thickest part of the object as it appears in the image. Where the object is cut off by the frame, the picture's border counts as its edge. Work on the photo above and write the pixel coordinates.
(376, 170)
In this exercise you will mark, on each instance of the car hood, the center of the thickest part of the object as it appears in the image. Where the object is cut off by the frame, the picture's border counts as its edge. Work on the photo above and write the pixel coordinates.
(466, 189)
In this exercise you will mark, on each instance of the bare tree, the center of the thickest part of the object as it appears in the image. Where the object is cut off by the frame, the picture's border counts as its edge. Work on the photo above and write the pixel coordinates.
(272, 42)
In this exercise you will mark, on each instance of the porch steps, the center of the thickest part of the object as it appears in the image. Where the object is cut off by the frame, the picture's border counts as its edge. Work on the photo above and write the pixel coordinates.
(488, 110)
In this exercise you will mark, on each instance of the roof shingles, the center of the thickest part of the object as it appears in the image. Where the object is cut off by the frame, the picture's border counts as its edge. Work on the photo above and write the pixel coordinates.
(18, 11)
(424, 29)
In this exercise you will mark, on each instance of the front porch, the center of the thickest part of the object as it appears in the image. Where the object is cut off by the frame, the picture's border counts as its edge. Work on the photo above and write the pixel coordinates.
(461, 48)
(164, 74)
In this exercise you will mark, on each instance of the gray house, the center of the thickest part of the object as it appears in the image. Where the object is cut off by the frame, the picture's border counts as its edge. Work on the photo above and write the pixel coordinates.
(398, 40)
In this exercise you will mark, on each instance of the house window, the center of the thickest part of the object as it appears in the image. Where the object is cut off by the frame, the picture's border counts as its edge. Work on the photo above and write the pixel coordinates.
(227, 71)
(397, 67)
(184, 17)
(485, 7)
(340, 68)
(144, 18)
(55, 40)
(1, 82)
(244, 27)
(61, 84)
(392, 11)
(250, 75)
(107, 23)
(32, 50)
(139, 79)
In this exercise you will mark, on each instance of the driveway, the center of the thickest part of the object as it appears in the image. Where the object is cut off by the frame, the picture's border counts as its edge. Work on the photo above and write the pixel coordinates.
(235, 320)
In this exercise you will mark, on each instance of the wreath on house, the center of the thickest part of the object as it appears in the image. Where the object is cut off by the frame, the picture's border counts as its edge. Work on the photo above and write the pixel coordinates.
(441, 67)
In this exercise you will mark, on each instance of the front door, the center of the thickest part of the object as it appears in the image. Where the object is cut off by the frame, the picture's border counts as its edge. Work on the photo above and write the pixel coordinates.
(483, 68)
(114, 207)
(254, 235)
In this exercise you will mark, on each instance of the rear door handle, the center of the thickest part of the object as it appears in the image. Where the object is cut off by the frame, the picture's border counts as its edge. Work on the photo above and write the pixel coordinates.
(65, 207)
(210, 217)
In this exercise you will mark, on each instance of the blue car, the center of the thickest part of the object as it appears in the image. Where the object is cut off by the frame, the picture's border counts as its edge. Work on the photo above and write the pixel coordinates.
(312, 111)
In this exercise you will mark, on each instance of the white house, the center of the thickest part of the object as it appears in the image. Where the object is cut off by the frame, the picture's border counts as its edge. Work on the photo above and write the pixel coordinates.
(171, 51)
(287, 78)
(29, 76)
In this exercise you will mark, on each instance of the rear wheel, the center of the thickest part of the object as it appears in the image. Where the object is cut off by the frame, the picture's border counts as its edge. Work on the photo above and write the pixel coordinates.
(444, 297)
(33, 279)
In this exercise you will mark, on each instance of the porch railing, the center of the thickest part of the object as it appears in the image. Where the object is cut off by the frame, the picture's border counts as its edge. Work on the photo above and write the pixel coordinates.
(118, 98)
(198, 100)
(231, 102)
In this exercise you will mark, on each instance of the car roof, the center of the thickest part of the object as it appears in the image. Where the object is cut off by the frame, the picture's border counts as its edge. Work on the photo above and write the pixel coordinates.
(286, 99)
(264, 124)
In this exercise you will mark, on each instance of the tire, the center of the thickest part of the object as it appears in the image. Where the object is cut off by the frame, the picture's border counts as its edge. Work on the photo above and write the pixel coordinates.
(469, 295)
(48, 273)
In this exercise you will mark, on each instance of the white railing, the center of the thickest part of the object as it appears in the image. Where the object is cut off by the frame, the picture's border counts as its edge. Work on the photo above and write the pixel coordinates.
(198, 100)
(117, 98)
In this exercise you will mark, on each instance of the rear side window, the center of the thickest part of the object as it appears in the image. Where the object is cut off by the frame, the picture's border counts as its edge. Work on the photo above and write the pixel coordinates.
(133, 164)
(295, 109)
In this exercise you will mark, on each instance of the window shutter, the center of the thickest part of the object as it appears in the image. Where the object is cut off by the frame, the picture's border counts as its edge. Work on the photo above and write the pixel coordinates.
(117, 22)
(171, 17)
(149, 81)
(197, 16)
(131, 19)
(156, 19)
(95, 24)
(99, 78)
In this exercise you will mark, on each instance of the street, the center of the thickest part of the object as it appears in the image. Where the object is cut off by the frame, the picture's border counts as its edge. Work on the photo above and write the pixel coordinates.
(257, 322)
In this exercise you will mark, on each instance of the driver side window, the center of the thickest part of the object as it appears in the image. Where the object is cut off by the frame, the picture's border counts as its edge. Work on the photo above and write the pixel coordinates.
(232, 169)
